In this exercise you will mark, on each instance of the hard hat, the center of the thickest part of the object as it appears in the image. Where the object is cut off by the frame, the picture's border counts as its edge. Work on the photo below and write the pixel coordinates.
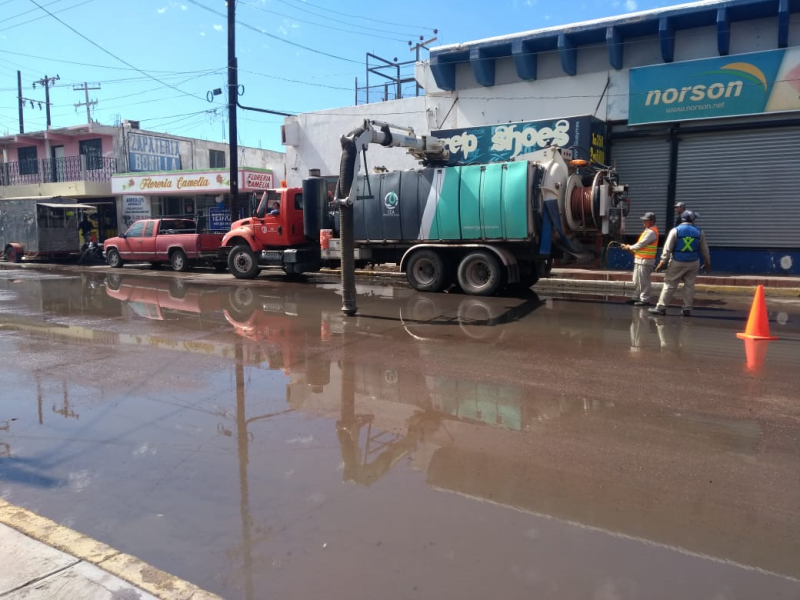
(648, 216)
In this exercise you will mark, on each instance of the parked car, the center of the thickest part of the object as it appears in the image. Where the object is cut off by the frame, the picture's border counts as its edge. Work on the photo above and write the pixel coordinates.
(159, 241)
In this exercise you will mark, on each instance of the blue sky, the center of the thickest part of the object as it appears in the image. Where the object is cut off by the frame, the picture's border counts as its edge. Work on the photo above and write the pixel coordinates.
(155, 60)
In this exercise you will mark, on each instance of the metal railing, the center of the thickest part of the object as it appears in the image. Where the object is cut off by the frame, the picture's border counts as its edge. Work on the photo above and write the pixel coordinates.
(54, 170)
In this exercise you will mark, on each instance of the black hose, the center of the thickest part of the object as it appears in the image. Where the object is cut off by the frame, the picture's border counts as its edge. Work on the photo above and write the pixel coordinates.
(347, 170)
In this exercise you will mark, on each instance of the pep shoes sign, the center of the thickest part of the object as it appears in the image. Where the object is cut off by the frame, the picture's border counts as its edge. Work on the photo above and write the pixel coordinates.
(745, 84)
(583, 137)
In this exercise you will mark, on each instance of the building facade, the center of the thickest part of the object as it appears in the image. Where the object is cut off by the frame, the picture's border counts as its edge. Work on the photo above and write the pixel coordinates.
(699, 103)
(127, 173)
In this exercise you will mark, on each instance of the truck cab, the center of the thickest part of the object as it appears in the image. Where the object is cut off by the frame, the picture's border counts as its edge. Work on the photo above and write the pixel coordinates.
(273, 236)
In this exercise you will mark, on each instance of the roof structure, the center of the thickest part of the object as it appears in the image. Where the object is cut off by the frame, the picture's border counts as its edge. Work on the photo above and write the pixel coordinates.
(663, 22)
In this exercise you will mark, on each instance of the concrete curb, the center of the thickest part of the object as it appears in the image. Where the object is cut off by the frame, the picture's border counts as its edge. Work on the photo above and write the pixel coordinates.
(131, 569)
(623, 287)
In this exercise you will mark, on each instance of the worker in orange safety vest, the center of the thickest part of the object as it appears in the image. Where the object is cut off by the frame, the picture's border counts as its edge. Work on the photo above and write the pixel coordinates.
(644, 260)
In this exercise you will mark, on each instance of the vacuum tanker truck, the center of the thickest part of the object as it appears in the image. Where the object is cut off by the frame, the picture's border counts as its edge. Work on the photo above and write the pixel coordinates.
(485, 227)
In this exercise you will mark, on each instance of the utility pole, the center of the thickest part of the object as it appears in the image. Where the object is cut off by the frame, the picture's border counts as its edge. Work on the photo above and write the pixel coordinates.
(85, 88)
(21, 102)
(47, 82)
(233, 97)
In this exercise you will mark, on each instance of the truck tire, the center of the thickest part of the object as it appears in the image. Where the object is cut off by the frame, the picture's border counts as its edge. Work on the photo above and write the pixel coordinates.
(12, 255)
(242, 262)
(480, 274)
(113, 259)
(426, 271)
(178, 261)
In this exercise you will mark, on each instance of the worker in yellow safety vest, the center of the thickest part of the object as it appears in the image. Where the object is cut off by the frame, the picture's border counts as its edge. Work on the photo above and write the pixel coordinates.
(644, 260)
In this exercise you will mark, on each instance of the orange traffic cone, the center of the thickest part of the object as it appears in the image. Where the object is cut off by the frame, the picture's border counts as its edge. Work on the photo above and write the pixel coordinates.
(758, 322)
(756, 352)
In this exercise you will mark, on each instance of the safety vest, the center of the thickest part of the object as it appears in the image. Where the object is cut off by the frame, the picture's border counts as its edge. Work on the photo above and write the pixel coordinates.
(648, 252)
(687, 248)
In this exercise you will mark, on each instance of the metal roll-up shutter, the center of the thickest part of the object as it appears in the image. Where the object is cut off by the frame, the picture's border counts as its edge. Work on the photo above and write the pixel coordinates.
(745, 186)
(643, 164)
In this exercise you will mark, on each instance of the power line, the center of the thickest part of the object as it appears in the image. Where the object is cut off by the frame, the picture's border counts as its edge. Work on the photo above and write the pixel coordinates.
(30, 10)
(96, 45)
(45, 16)
(83, 64)
(326, 25)
(272, 36)
(336, 12)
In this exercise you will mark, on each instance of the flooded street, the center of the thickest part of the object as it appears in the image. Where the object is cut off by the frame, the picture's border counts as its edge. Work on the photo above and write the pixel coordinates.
(252, 440)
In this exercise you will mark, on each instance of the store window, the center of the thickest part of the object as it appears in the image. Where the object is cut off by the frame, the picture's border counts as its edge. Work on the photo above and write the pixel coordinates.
(93, 151)
(28, 163)
(216, 159)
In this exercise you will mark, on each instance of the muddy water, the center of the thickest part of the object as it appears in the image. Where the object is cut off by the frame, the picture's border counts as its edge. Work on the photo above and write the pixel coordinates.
(251, 440)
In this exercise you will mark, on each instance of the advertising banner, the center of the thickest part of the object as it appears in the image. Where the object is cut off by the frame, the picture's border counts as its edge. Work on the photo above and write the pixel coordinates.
(134, 208)
(582, 137)
(182, 182)
(744, 84)
(219, 219)
(256, 180)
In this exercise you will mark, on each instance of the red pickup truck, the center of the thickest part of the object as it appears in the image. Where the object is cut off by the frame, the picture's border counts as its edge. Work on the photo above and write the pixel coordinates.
(158, 241)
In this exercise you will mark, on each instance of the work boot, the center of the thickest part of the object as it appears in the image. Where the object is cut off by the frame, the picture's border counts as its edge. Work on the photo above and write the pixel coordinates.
(641, 303)
(658, 311)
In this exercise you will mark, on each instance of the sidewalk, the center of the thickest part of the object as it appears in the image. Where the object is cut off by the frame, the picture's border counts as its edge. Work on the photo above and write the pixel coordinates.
(40, 559)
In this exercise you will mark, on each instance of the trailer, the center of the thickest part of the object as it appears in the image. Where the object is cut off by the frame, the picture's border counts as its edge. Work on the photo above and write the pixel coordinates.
(485, 227)
(39, 227)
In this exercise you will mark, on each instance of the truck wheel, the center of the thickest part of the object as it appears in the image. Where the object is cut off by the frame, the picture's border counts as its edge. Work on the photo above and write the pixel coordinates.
(12, 256)
(178, 261)
(480, 274)
(113, 259)
(242, 262)
(426, 271)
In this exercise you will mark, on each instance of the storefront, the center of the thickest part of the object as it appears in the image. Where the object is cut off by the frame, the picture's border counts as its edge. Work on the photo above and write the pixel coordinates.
(714, 133)
(200, 195)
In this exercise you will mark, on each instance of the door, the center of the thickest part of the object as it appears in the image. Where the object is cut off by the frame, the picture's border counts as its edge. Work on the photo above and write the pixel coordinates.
(130, 248)
(148, 243)
(58, 167)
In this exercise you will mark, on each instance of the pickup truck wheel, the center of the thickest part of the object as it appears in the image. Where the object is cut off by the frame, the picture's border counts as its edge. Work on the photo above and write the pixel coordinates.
(178, 261)
(113, 259)
(242, 262)
(426, 271)
(480, 274)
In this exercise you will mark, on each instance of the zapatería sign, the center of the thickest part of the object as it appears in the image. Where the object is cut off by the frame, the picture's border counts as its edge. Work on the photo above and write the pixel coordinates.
(151, 153)
(744, 84)
(583, 137)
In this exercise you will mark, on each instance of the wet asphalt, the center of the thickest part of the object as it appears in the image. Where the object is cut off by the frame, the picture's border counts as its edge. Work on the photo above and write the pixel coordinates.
(252, 440)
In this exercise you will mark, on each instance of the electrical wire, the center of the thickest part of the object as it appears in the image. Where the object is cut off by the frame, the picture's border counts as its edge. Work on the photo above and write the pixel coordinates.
(336, 12)
(45, 16)
(96, 45)
(273, 36)
(30, 10)
(326, 26)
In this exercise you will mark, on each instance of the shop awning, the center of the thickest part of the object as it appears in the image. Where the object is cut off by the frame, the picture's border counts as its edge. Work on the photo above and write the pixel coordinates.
(55, 205)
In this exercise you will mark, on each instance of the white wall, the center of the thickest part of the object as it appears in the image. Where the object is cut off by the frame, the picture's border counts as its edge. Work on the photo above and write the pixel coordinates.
(318, 134)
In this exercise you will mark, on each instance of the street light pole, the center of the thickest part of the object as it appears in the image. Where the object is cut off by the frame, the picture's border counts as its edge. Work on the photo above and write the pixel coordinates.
(233, 96)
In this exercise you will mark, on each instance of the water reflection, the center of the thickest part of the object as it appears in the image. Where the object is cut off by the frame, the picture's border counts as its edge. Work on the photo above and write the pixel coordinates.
(419, 383)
